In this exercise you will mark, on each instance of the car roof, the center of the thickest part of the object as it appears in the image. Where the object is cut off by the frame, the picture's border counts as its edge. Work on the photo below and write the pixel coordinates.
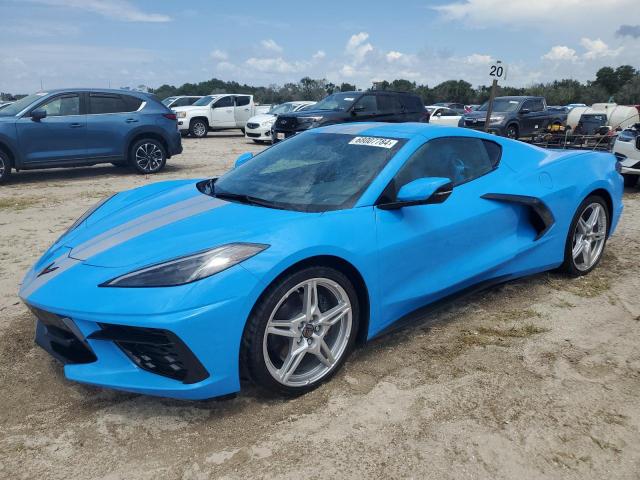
(399, 130)
(98, 90)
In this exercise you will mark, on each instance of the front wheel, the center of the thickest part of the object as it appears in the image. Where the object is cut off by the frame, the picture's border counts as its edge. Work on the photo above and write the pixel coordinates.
(148, 156)
(5, 167)
(512, 132)
(198, 128)
(587, 237)
(630, 180)
(301, 331)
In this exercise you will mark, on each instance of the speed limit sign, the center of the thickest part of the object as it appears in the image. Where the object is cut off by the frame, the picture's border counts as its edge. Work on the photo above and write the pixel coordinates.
(498, 71)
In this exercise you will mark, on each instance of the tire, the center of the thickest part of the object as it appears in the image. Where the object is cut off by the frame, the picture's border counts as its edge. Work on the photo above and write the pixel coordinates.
(5, 167)
(260, 142)
(184, 133)
(147, 156)
(198, 128)
(630, 180)
(242, 130)
(583, 232)
(512, 131)
(266, 355)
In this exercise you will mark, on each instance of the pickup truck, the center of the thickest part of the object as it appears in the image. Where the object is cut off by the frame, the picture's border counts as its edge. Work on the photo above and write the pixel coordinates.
(514, 117)
(215, 112)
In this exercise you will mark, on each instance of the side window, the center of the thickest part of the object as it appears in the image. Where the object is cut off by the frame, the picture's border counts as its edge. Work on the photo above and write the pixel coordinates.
(528, 104)
(243, 100)
(367, 104)
(62, 106)
(389, 104)
(446, 112)
(100, 103)
(538, 105)
(132, 104)
(459, 159)
(412, 103)
(191, 101)
(181, 102)
(224, 102)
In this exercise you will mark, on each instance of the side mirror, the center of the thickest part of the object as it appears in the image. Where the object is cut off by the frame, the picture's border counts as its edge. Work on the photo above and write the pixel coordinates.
(38, 114)
(244, 158)
(422, 191)
(439, 114)
(524, 111)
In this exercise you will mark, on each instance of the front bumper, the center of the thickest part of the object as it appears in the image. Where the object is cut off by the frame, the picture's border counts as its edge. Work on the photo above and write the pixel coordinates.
(183, 124)
(259, 133)
(479, 126)
(142, 342)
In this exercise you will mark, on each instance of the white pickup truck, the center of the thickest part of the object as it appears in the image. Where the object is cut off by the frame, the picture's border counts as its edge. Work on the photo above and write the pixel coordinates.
(215, 112)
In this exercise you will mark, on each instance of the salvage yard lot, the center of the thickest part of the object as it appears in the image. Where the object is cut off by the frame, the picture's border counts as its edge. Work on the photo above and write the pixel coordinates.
(539, 378)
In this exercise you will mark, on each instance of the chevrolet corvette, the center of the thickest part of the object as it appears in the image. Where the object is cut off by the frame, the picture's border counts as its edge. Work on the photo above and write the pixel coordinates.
(275, 270)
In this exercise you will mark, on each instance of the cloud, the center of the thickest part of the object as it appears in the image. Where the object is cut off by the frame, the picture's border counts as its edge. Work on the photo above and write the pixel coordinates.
(478, 59)
(393, 56)
(319, 55)
(116, 9)
(358, 47)
(275, 65)
(628, 31)
(598, 49)
(560, 53)
(271, 45)
(219, 55)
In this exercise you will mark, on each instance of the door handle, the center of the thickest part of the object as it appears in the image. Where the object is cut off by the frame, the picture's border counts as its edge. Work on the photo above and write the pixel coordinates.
(246, 109)
(76, 125)
(131, 120)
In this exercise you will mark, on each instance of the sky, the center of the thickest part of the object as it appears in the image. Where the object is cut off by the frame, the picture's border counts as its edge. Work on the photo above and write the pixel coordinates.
(101, 43)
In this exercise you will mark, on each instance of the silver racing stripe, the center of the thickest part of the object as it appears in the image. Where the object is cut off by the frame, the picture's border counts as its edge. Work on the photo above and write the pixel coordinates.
(123, 233)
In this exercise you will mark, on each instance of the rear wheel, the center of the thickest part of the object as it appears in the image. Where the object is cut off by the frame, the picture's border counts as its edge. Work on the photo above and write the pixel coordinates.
(630, 180)
(198, 128)
(301, 331)
(587, 236)
(5, 167)
(148, 156)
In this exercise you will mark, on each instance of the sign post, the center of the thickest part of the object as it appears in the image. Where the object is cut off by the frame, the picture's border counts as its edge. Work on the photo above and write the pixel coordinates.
(497, 71)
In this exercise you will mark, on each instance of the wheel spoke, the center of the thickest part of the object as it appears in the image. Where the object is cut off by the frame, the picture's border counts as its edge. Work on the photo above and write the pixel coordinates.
(310, 300)
(291, 363)
(577, 250)
(286, 328)
(333, 315)
(593, 218)
(582, 225)
(325, 355)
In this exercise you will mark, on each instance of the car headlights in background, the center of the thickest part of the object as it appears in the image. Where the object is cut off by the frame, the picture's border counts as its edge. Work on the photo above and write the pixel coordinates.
(190, 268)
(181, 114)
(496, 118)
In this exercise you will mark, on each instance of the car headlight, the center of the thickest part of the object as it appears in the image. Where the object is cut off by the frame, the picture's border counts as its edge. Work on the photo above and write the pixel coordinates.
(190, 268)
(496, 118)
(310, 119)
(84, 216)
(267, 123)
(181, 114)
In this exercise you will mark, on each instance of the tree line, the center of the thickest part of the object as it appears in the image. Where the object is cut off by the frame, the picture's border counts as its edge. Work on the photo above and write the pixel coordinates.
(621, 85)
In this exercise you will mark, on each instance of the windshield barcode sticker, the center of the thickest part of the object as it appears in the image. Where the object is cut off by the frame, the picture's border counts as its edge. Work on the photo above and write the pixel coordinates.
(374, 142)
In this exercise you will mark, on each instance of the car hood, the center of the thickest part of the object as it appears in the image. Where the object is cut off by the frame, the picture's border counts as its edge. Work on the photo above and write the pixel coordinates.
(150, 225)
(191, 109)
(316, 113)
(263, 117)
(476, 115)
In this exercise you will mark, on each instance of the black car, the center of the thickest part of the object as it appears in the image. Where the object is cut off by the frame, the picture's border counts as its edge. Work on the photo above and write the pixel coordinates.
(373, 106)
(514, 117)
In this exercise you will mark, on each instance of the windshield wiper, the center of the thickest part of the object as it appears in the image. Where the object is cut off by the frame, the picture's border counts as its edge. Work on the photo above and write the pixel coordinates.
(242, 198)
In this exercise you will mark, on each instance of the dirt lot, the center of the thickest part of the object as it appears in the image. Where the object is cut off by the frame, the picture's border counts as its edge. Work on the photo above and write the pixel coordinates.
(539, 378)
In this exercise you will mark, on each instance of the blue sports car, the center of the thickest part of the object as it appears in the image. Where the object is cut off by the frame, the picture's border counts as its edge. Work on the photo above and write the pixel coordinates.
(276, 269)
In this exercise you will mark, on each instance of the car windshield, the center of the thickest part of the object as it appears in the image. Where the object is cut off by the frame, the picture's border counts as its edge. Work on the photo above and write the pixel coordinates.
(204, 101)
(501, 105)
(311, 172)
(337, 101)
(282, 108)
(167, 101)
(21, 104)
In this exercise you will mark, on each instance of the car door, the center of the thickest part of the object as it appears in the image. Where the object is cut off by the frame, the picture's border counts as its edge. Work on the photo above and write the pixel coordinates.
(222, 113)
(389, 108)
(242, 110)
(429, 251)
(528, 118)
(59, 137)
(111, 118)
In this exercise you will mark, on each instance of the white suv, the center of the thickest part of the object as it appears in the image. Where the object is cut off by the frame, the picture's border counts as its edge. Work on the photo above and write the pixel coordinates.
(215, 112)
(627, 150)
(258, 127)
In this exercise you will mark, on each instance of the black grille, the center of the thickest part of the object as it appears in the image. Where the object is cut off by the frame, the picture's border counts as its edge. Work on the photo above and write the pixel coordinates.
(60, 337)
(155, 350)
(252, 135)
(286, 123)
(472, 123)
(253, 125)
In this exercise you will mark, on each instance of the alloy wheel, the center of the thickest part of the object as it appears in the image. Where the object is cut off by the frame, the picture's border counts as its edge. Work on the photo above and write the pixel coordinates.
(3, 166)
(308, 332)
(199, 129)
(149, 157)
(589, 236)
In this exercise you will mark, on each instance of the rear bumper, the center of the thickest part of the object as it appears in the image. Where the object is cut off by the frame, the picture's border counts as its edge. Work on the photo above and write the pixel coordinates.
(175, 144)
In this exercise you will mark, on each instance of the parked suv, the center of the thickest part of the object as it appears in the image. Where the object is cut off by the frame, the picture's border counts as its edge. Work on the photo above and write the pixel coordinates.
(373, 106)
(68, 128)
(514, 117)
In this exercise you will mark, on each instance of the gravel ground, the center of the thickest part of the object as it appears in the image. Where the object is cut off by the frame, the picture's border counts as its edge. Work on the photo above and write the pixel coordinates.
(539, 378)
